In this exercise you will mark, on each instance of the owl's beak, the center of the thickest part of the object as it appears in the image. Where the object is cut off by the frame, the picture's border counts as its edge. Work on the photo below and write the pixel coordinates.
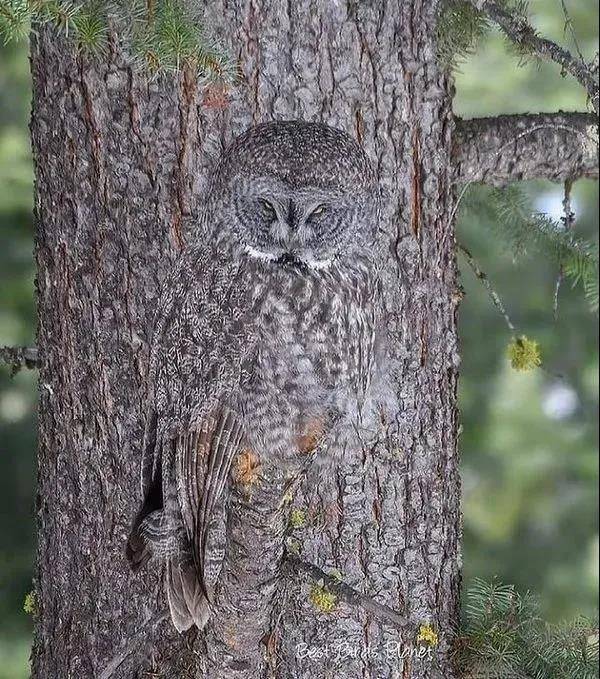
(289, 260)
(292, 217)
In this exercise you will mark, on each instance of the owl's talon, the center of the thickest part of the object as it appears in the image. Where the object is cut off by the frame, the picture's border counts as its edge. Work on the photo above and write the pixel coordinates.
(163, 536)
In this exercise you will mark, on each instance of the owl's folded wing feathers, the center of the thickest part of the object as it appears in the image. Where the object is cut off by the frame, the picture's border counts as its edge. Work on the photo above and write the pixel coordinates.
(203, 335)
(202, 463)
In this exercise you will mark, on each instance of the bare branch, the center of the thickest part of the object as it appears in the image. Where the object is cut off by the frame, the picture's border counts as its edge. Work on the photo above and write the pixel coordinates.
(568, 221)
(523, 34)
(349, 594)
(19, 357)
(569, 28)
(508, 148)
(482, 276)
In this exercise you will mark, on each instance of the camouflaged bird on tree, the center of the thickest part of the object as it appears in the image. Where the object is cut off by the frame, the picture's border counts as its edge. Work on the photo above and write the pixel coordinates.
(123, 161)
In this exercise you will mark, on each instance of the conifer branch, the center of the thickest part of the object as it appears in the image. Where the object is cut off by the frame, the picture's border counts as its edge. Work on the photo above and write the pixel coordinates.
(523, 35)
(502, 635)
(482, 276)
(526, 232)
(162, 36)
(508, 148)
(569, 28)
(568, 221)
(19, 357)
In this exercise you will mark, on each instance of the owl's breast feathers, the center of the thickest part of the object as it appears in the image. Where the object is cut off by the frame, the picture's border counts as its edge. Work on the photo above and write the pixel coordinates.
(225, 325)
(244, 357)
(319, 326)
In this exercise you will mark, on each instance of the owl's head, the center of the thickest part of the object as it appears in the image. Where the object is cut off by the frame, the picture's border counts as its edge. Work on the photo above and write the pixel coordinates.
(295, 194)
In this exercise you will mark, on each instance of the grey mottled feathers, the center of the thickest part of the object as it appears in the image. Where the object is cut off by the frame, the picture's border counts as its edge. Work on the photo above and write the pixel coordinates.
(268, 338)
(201, 341)
(202, 462)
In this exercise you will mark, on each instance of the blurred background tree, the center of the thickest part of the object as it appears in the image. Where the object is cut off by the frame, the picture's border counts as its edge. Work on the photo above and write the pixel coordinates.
(17, 395)
(529, 442)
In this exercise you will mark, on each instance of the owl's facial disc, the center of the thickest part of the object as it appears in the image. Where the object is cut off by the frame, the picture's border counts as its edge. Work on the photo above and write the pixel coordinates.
(298, 229)
(295, 194)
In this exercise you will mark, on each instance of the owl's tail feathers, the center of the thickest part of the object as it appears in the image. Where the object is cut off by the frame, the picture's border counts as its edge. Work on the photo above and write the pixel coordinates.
(187, 602)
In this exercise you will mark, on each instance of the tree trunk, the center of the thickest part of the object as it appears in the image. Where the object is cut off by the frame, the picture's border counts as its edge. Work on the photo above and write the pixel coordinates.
(120, 164)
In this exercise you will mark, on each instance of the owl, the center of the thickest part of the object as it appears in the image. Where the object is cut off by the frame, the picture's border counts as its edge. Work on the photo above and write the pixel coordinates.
(268, 341)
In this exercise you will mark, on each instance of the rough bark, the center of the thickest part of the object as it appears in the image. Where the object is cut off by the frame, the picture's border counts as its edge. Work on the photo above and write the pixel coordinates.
(119, 163)
(509, 148)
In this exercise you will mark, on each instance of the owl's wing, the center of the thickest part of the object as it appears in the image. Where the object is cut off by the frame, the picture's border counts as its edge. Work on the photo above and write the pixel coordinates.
(202, 462)
(204, 336)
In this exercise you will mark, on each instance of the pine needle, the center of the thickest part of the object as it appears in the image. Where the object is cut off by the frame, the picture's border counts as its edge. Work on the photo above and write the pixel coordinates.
(162, 36)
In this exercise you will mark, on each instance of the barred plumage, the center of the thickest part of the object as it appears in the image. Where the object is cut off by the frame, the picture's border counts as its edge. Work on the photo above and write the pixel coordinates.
(267, 340)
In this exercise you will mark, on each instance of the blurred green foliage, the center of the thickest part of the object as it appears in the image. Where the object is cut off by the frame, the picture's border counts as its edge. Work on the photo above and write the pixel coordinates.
(529, 442)
(17, 395)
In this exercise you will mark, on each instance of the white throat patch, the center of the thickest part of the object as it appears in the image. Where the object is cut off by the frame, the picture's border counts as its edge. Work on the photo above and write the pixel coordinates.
(259, 254)
(316, 264)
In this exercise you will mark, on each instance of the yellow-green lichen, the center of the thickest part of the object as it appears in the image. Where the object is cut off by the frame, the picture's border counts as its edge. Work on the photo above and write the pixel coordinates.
(524, 354)
(293, 546)
(297, 518)
(323, 599)
(427, 635)
(30, 604)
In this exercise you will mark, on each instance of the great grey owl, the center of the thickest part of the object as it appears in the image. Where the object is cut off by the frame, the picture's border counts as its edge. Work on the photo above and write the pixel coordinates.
(267, 340)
